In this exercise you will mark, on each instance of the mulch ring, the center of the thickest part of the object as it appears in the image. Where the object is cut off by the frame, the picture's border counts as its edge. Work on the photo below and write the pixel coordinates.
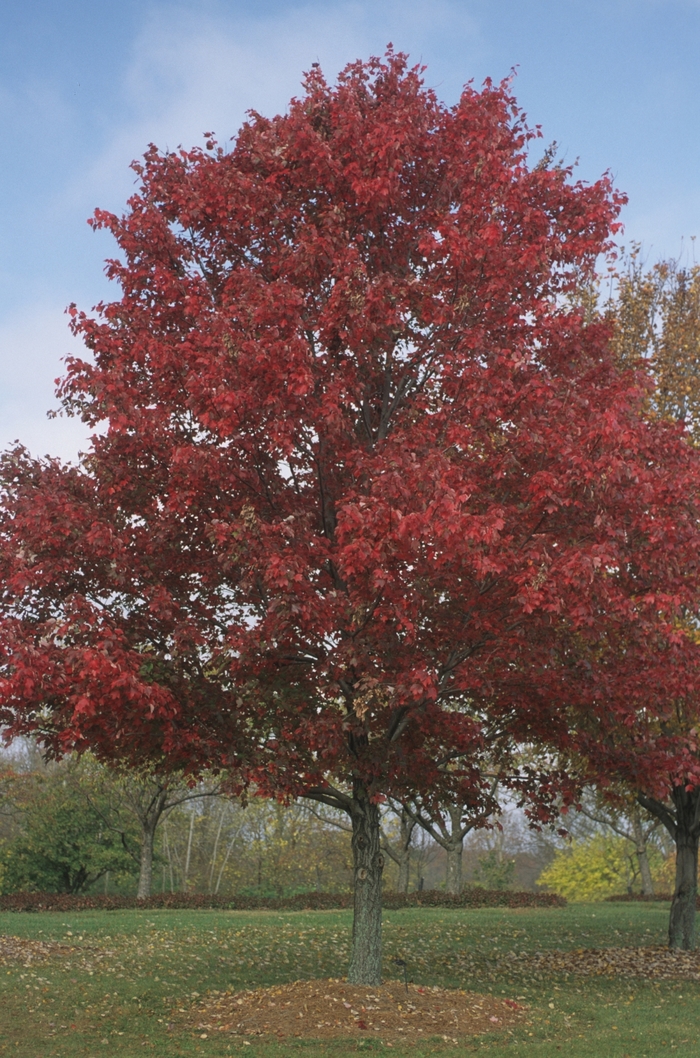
(334, 1009)
(18, 949)
(657, 963)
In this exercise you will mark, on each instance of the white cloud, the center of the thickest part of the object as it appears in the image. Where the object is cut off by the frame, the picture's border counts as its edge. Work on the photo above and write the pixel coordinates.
(31, 350)
(192, 72)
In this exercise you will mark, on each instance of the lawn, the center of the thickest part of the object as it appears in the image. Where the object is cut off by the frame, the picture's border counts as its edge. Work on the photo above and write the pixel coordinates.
(159, 963)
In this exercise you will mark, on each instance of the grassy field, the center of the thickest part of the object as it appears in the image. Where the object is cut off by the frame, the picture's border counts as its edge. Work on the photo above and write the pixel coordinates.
(90, 1004)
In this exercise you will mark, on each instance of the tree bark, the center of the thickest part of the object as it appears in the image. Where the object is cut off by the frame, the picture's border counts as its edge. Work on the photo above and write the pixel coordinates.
(216, 848)
(368, 864)
(166, 842)
(407, 828)
(401, 853)
(682, 821)
(453, 873)
(640, 845)
(454, 849)
(681, 928)
(185, 873)
(149, 817)
(404, 872)
(148, 833)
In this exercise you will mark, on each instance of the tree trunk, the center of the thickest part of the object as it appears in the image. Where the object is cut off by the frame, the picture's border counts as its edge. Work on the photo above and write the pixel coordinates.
(682, 821)
(401, 853)
(681, 929)
(453, 875)
(368, 863)
(404, 871)
(148, 833)
(166, 842)
(216, 848)
(186, 872)
(223, 865)
(149, 816)
(641, 851)
(404, 856)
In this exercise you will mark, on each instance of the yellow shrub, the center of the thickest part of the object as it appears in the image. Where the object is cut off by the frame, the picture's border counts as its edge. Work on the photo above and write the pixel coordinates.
(599, 867)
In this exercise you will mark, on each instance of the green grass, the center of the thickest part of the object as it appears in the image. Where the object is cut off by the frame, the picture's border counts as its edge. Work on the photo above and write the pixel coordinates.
(163, 960)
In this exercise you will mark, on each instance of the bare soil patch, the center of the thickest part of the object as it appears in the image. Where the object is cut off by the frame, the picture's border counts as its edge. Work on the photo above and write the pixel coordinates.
(651, 962)
(333, 1008)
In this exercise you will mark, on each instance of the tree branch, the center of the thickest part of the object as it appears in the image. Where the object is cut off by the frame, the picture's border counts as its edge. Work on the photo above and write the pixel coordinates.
(328, 795)
(658, 809)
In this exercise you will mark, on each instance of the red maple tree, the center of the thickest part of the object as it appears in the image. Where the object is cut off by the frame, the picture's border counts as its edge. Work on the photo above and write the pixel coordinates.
(370, 504)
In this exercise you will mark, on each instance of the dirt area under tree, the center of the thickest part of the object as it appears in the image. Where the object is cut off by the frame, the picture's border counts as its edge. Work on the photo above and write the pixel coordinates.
(332, 1008)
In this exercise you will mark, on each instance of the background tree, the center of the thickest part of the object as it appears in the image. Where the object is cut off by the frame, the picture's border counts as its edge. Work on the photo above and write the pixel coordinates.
(264, 848)
(630, 822)
(61, 843)
(367, 491)
(496, 870)
(655, 318)
(143, 794)
(611, 846)
(449, 827)
(666, 785)
(591, 868)
(397, 843)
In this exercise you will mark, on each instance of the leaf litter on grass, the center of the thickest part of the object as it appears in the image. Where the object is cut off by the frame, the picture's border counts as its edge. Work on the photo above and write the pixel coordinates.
(649, 961)
(173, 961)
(332, 1008)
(22, 950)
(654, 963)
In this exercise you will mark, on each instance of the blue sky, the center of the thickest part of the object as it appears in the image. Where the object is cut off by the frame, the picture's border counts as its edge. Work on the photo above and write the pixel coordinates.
(85, 85)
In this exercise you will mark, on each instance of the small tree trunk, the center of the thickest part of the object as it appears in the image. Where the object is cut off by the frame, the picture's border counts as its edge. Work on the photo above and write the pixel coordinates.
(166, 842)
(453, 874)
(406, 835)
(368, 863)
(185, 875)
(148, 833)
(645, 871)
(641, 851)
(223, 865)
(149, 818)
(453, 848)
(404, 871)
(216, 848)
(681, 929)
